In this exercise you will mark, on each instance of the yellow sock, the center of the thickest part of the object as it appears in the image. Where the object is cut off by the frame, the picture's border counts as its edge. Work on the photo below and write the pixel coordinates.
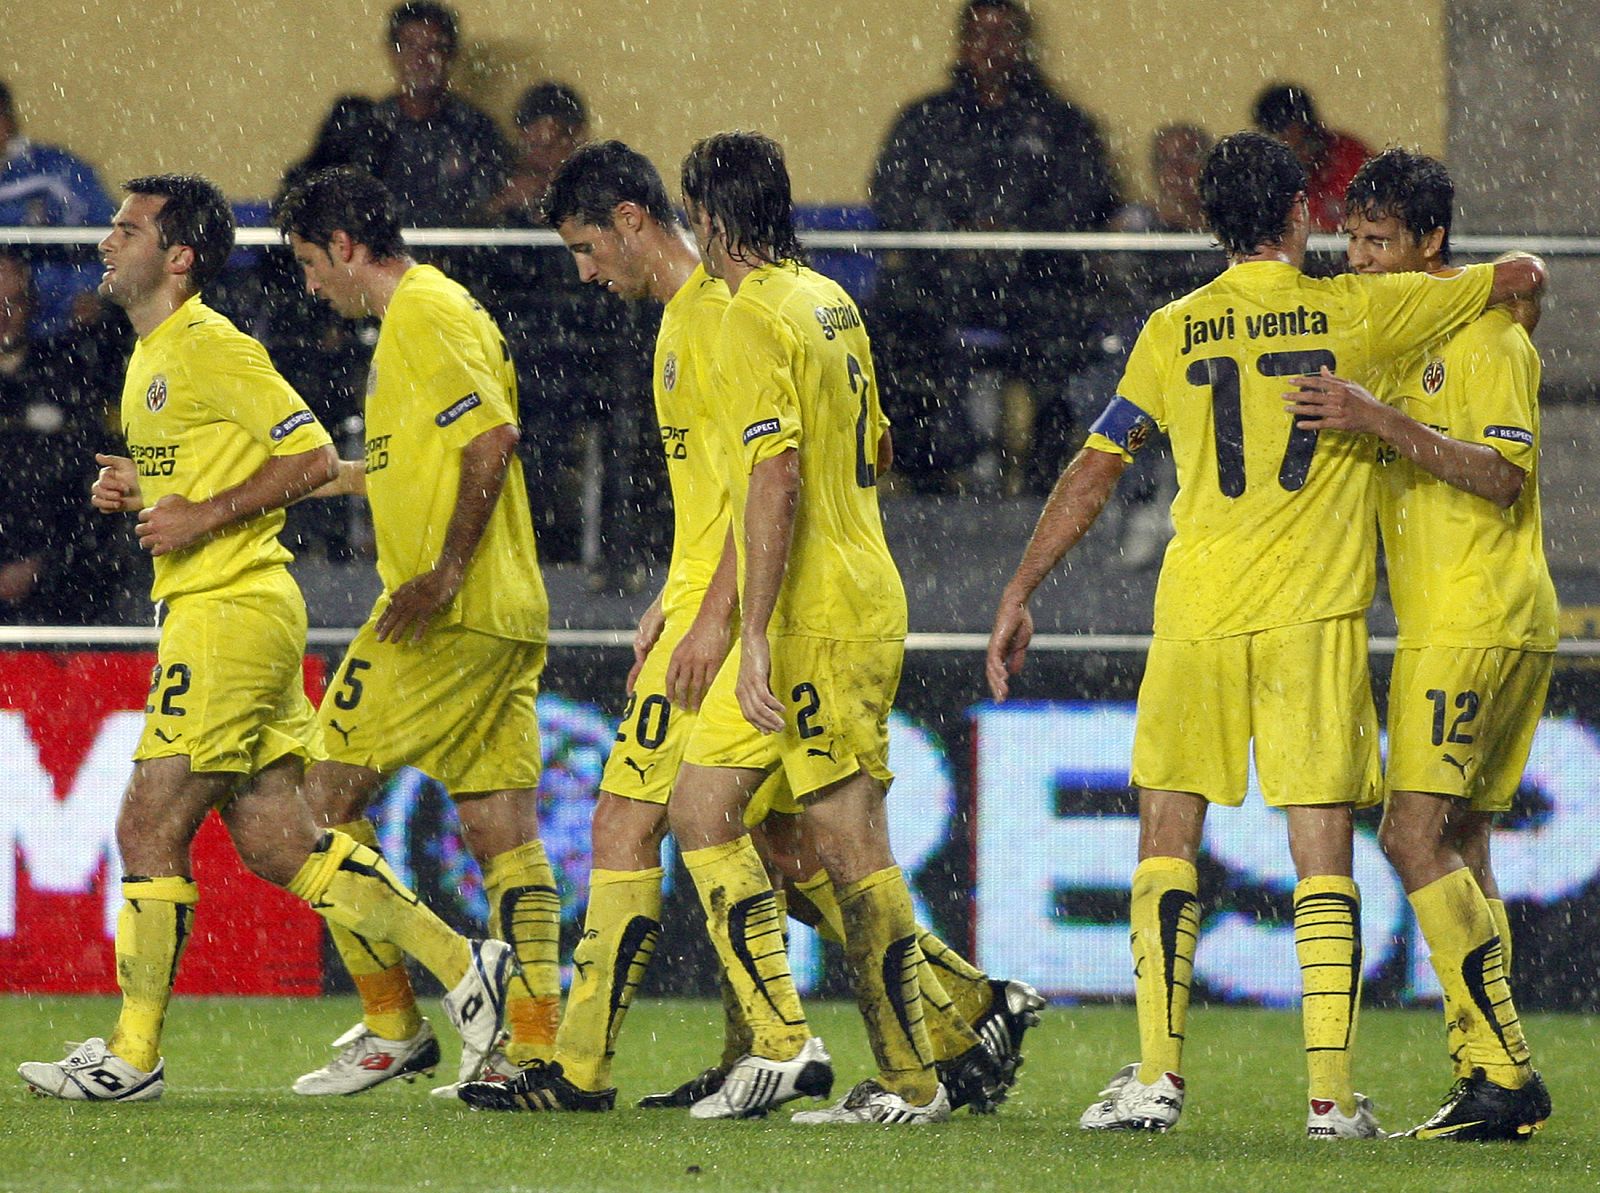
(948, 1032)
(818, 891)
(967, 986)
(378, 968)
(880, 945)
(348, 884)
(1327, 939)
(152, 928)
(737, 1038)
(1468, 957)
(742, 919)
(1165, 915)
(525, 911)
(620, 930)
(1502, 927)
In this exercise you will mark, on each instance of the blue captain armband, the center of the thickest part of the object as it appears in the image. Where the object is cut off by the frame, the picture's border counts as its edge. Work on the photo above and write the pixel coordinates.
(1124, 424)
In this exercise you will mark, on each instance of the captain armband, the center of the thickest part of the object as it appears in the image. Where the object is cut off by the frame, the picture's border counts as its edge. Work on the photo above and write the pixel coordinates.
(1124, 424)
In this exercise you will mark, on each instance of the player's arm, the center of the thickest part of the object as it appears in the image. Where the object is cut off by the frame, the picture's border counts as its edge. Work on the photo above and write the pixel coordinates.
(1517, 276)
(483, 474)
(116, 488)
(1079, 495)
(769, 515)
(885, 452)
(1327, 403)
(175, 522)
(349, 481)
(704, 647)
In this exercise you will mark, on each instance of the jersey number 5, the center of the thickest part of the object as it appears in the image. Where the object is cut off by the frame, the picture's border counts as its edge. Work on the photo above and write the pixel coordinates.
(1221, 373)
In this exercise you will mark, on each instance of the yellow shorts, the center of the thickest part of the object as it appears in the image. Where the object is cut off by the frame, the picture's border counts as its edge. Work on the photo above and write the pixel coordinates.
(228, 689)
(1302, 693)
(459, 706)
(1462, 719)
(651, 736)
(836, 696)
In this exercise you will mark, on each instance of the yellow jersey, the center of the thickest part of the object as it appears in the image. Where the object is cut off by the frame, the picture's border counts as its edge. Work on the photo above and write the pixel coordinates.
(794, 370)
(202, 410)
(1274, 525)
(685, 348)
(1462, 571)
(441, 376)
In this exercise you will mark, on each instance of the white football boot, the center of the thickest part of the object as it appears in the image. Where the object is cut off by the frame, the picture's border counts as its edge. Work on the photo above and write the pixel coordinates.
(366, 1059)
(477, 1005)
(755, 1084)
(1324, 1120)
(869, 1102)
(93, 1073)
(1127, 1104)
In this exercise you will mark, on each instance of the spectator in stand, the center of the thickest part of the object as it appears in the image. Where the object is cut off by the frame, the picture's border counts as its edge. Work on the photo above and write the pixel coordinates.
(997, 149)
(583, 368)
(45, 186)
(440, 157)
(1330, 157)
(1136, 284)
(50, 422)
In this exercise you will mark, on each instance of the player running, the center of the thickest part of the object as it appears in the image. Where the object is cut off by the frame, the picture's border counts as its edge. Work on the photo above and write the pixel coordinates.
(1260, 632)
(1458, 505)
(445, 673)
(218, 443)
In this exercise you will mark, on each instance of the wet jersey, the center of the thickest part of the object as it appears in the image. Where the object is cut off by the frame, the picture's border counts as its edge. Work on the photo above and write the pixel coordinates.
(1274, 525)
(685, 347)
(1462, 571)
(441, 376)
(202, 410)
(794, 370)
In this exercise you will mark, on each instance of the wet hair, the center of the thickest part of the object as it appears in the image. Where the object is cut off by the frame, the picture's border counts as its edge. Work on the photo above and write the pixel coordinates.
(741, 181)
(440, 15)
(551, 99)
(600, 175)
(1412, 187)
(342, 199)
(1012, 8)
(1247, 190)
(196, 213)
(1282, 106)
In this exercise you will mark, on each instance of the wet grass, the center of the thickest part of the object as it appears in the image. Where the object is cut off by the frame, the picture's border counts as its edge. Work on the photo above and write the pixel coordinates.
(229, 1122)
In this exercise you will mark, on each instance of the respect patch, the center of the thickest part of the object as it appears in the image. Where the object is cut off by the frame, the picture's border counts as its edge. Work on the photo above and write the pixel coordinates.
(1515, 434)
(766, 426)
(300, 418)
(456, 409)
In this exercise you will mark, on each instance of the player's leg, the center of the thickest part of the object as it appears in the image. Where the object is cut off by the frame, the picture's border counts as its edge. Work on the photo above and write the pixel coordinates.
(161, 811)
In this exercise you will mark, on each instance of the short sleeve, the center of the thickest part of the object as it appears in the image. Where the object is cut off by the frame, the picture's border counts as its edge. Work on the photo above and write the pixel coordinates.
(1499, 388)
(461, 391)
(1141, 380)
(1406, 311)
(238, 383)
(758, 358)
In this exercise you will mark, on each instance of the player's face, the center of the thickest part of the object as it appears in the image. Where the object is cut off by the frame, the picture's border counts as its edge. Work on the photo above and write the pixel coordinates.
(327, 278)
(1382, 246)
(604, 259)
(706, 239)
(135, 263)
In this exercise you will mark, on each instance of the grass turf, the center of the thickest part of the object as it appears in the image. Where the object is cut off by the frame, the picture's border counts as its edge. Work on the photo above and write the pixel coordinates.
(229, 1122)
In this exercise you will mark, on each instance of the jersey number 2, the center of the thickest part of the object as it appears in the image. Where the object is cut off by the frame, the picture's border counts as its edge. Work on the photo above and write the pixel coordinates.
(866, 469)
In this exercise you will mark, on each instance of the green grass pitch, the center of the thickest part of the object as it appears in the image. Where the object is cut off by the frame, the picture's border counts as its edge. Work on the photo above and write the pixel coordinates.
(229, 1123)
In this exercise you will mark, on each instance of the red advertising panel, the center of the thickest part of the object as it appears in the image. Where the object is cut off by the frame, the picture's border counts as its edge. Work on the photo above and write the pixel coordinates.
(68, 724)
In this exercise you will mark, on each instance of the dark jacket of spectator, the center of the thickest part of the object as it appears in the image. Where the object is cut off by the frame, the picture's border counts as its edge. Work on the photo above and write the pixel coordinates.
(438, 168)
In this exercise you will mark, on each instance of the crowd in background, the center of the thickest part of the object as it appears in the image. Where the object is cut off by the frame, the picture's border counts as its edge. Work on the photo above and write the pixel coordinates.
(992, 363)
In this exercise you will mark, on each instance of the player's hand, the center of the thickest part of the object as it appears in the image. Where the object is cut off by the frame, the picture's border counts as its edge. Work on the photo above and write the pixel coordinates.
(644, 639)
(1008, 644)
(754, 688)
(415, 603)
(1323, 402)
(173, 523)
(697, 660)
(116, 489)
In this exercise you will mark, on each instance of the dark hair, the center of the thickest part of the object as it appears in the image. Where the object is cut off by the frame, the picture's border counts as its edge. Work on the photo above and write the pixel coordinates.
(551, 99)
(1412, 187)
(342, 199)
(600, 175)
(1016, 11)
(7, 105)
(1282, 106)
(196, 214)
(1247, 188)
(413, 11)
(741, 181)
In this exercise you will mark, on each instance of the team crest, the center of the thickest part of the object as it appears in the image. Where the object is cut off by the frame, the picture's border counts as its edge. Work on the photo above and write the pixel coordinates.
(156, 396)
(1433, 377)
(669, 372)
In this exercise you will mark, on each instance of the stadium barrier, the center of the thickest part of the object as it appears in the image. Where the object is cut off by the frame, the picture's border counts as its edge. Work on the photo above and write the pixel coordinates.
(1014, 823)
